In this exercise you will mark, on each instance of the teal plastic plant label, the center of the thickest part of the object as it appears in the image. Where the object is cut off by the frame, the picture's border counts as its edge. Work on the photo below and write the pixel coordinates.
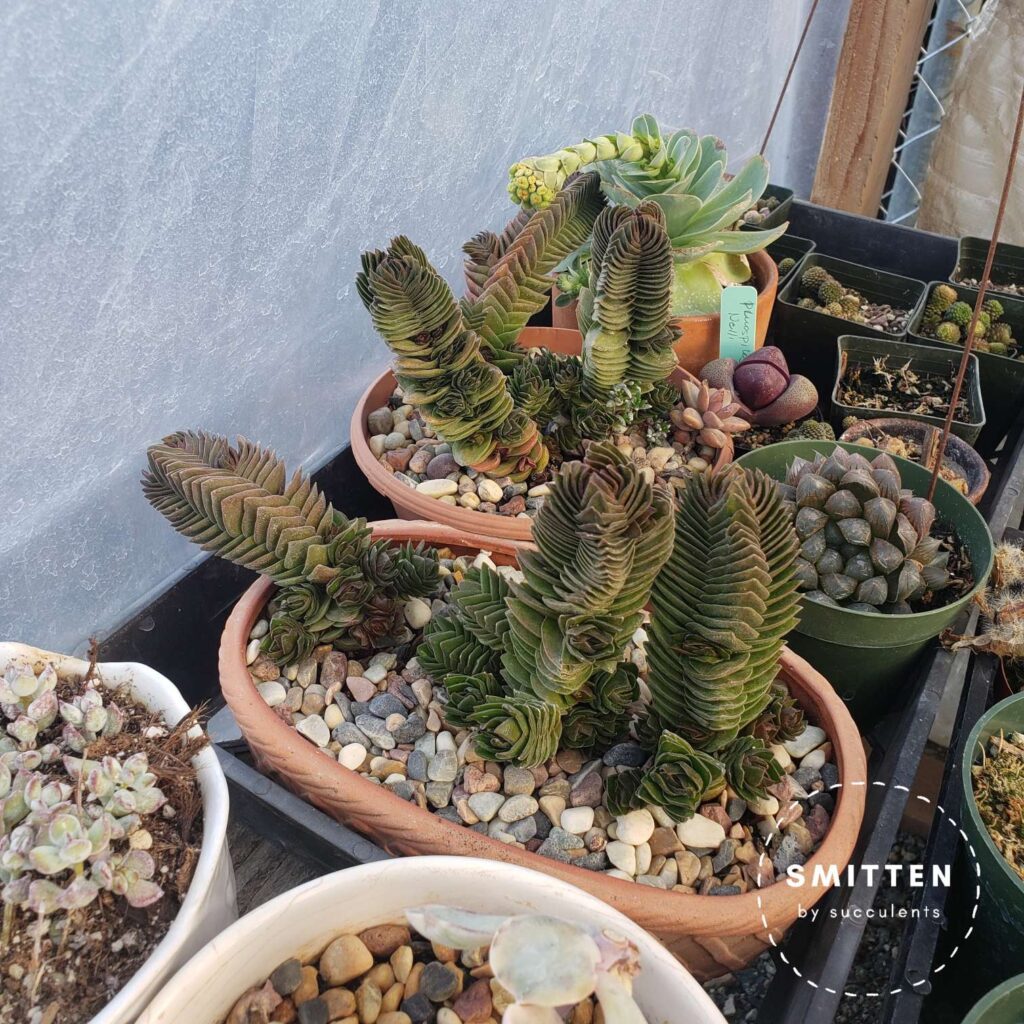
(738, 322)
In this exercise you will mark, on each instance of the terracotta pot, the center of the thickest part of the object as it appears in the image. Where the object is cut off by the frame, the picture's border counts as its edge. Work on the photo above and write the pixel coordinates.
(209, 905)
(711, 935)
(410, 504)
(971, 465)
(303, 921)
(699, 342)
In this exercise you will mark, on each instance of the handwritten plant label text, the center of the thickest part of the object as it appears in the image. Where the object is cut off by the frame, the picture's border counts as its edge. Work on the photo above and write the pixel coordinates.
(738, 322)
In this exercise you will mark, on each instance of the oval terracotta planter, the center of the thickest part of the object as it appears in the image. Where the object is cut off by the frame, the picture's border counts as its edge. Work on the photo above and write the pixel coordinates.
(410, 504)
(958, 451)
(699, 342)
(711, 935)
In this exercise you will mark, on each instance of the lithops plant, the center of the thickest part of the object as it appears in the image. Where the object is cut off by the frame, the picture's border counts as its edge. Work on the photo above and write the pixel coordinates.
(767, 393)
(865, 542)
(544, 963)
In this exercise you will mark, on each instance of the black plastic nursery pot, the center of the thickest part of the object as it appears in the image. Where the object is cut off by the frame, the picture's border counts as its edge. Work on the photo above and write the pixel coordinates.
(808, 337)
(1002, 377)
(1007, 266)
(868, 657)
(781, 212)
(1003, 1005)
(791, 247)
(985, 873)
(857, 351)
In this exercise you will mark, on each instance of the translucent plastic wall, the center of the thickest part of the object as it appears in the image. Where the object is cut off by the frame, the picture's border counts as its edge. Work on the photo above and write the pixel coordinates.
(185, 186)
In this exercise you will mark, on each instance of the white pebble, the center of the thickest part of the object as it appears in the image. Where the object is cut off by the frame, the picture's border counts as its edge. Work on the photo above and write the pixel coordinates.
(611, 873)
(333, 716)
(700, 833)
(251, 651)
(273, 693)
(623, 856)
(662, 817)
(417, 612)
(781, 754)
(540, 491)
(352, 755)
(643, 858)
(807, 741)
(437, 488)
(769, 805)
(488, 490)
(577, 820)
(259, 630)
(375, 673)
(446, 741)
(314, 728)
(815, 759)
(635, 828)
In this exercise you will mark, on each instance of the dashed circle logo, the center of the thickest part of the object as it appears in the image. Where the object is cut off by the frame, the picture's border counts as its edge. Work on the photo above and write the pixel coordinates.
(894, 881)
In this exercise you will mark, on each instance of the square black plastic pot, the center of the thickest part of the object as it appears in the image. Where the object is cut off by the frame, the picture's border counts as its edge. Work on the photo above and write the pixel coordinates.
(808, 338)
(858, 350)
(791, 247)
(1007, 267)
(781, 212)
(1002, 377)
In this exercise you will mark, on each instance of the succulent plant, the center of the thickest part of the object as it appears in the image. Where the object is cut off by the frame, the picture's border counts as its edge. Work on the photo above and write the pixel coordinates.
(781, 720)
(88, 717)
(338, 586)
(812, 430)
(706, 415)
(721, 607)
(543, 962)
(767, 393)
(812, 279)
(948, 319)
(948, 332)
(865, 543)
(750, 767)
(528, 651)
(786, 265)
(685, 175)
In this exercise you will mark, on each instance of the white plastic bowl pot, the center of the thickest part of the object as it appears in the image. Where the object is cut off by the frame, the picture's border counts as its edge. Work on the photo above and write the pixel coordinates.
(302, 922)
(210, 905)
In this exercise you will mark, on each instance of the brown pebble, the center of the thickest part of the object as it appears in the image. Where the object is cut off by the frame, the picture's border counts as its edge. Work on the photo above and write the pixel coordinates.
(445, 954)
(344, 959)
(264, 669)
(382, 975)
(309, 987)
(664, 841)
(340, 1002)
(474, 1005)
(394, 1017)
(392, 998)
(582, 1013)
(285, 1012)
(257, 1003)
(384, 939)
(501, 998)
(412, 983)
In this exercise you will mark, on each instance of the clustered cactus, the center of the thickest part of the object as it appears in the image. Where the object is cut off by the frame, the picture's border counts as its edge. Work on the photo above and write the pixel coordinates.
(820, 291)
(337, 585)
(720, 610)
(865, 542)
(682, 173)
(767, 394)
(70, 827)
(534, 663)
(543, 962)
(948, 318)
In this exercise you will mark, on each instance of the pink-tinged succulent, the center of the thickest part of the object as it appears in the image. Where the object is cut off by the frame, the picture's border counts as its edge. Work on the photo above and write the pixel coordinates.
(769, 395)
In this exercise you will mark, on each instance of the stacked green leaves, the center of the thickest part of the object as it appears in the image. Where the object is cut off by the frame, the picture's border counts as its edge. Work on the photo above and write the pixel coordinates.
(338, 586)
(723, 604)
(521, 658)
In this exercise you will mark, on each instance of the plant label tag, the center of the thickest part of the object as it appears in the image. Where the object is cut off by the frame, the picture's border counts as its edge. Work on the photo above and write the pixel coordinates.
(738, 321)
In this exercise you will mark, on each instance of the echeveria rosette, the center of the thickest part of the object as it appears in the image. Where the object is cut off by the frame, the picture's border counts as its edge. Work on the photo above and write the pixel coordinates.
(722, 605)
(517, 728)
(781, 720)
(685, 175)
(600, 537)
(679, 779)
(750, 768)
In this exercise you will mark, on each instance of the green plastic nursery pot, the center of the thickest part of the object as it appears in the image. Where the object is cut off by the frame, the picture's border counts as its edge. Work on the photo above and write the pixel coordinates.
(781, 212)
(794, 248)
(868, 657)
(1000, 913)
(1003, 1005)
(1007, 267)
(1002, 378)
(855, 350)
(807, 337)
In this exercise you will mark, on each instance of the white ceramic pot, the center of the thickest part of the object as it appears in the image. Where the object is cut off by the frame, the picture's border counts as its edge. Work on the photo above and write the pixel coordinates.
(303, 921)
(210, 905)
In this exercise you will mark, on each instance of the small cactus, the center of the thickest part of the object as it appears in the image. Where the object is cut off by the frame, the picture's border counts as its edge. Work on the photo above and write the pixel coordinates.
(812, 279)
(960, 313)
(786, 265)
(829, 292)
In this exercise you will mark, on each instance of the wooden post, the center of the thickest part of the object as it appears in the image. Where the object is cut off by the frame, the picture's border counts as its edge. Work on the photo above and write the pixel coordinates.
(876, 67)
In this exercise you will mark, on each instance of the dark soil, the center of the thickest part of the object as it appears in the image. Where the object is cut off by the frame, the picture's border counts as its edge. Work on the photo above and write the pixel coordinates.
(885, 386)
(85, 958)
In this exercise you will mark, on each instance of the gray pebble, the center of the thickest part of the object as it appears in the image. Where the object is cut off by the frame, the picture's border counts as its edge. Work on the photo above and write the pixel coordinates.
(629, 755)
(724, 890)
(524, 830)
(416, 766)
(443, 767)
(806, 777)
(377, 731)
(411, 729)
(349, 732)
(724, 857)
(439, 793)
(385, 704)
(287, 977)
(787, 854)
